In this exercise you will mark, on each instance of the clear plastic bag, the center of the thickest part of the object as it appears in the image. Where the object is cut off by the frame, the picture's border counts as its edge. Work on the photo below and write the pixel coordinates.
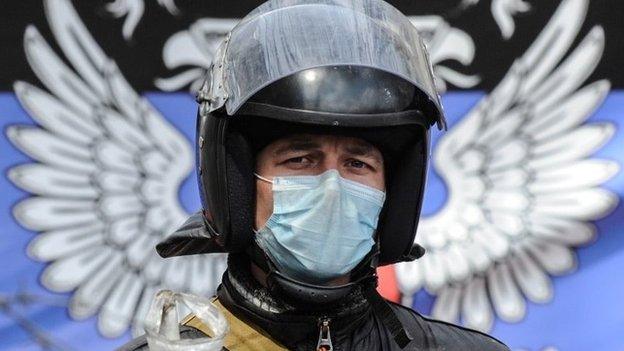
(163, 328)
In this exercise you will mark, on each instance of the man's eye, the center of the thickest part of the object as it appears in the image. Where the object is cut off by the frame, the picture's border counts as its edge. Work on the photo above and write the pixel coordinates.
(357, 164)
(300, 159)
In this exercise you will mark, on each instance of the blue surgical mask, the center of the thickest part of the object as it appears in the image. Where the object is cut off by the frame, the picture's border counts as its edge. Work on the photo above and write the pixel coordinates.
(321, 227)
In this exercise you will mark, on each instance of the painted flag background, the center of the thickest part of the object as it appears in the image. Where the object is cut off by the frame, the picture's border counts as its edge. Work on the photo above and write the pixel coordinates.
(96, 156)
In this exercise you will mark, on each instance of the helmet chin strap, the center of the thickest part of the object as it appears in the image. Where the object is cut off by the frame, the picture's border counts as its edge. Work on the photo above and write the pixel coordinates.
(309, 294)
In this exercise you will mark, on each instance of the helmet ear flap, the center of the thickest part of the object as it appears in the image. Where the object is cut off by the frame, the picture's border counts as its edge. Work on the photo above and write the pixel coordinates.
(241, 189)
(225, 168)
(405, 190)
(210, 154)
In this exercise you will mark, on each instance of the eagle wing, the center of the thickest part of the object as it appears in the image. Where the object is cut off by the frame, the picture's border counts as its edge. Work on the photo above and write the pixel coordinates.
(522, 187)
(105, 178)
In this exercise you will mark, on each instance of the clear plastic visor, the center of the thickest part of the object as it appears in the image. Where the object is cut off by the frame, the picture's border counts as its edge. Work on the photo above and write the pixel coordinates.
(281, 38)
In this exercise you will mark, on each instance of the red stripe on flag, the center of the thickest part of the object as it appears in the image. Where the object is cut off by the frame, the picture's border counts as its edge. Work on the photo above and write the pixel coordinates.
(388, 286)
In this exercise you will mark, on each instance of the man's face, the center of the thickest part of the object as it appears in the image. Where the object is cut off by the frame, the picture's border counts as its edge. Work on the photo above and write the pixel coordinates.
(306, 154)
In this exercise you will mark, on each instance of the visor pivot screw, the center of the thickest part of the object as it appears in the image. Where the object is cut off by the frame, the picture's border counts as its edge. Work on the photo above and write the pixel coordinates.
(336, 123)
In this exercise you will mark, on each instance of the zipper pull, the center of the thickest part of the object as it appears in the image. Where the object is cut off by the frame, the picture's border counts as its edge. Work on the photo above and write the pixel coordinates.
(324, 341)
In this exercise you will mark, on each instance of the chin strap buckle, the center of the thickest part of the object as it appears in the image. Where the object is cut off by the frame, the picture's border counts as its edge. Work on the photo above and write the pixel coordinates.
(415, 252)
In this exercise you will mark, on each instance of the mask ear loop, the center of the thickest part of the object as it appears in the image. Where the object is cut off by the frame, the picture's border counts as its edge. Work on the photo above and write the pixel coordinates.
(262, 178)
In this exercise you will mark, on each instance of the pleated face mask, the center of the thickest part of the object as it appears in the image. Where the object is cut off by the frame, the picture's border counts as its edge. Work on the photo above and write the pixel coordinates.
(321, 227)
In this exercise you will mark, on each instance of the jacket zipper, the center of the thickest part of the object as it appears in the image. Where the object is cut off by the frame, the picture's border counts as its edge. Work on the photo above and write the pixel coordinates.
(324, 341)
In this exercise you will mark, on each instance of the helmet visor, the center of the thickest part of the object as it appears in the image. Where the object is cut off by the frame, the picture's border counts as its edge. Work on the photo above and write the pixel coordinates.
(283, 37)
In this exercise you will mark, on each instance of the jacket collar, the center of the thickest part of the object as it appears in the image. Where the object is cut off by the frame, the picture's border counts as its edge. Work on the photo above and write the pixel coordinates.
(245, 297)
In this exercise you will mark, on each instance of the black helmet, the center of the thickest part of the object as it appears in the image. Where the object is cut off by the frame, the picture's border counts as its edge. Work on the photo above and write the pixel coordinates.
(356, 68)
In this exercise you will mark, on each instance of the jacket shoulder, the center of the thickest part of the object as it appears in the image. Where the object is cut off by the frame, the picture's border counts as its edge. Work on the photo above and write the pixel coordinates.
(432, 334)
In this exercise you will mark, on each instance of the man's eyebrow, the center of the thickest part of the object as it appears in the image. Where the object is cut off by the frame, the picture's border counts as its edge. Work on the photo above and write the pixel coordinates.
(365, 150)
(301, 143)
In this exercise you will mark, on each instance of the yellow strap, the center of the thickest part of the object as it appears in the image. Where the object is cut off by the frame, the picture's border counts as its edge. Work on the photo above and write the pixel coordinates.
(241, 337)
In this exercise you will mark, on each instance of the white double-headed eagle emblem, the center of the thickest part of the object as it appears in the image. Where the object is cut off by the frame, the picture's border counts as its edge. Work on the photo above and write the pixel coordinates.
(108, 166)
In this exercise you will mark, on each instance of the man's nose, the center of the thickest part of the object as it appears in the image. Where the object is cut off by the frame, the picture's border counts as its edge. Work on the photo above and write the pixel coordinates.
(331, 163)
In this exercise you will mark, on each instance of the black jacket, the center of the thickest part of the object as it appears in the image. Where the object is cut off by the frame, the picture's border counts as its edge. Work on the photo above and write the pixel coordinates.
(353, 323)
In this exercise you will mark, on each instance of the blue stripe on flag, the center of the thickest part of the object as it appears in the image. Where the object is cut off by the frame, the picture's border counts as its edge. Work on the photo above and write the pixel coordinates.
(585, 313)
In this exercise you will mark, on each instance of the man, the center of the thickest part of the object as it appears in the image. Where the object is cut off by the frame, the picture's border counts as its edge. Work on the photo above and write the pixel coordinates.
(312, 145)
